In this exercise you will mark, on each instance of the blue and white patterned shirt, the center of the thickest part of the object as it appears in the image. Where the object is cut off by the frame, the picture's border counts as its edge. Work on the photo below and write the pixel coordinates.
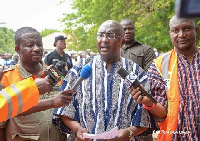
(102, 101)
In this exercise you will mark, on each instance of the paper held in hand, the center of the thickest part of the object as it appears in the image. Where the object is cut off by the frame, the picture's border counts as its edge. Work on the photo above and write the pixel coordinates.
(107, 135)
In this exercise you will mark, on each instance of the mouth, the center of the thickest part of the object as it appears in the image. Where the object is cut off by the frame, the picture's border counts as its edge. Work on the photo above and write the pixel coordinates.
(127, 36)
(37, 55)
(104, 48)
(182, 41)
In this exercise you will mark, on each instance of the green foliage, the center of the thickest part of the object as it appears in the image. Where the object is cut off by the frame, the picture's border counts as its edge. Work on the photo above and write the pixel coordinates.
(7, 44)
(151, 19)
(47, 32)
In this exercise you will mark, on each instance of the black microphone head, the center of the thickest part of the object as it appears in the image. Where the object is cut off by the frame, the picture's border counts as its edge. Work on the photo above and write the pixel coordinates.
(122, 72)
(60, 65)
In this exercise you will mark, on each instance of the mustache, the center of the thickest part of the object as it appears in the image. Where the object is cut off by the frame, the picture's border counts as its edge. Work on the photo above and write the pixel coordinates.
(37, 53)
(104, 45)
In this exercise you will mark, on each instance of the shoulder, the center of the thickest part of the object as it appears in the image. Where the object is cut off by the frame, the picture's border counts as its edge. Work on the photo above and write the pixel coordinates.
(131, 65)
(143, 45)
(52, 53)
(67, 55)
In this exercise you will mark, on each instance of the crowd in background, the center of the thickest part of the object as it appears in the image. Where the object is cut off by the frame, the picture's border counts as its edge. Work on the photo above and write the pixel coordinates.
(7, 59)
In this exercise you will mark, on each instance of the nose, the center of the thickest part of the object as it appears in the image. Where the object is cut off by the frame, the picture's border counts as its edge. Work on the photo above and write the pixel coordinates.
(105, 39)
(127, 30)
(181, 33)
(37, 48)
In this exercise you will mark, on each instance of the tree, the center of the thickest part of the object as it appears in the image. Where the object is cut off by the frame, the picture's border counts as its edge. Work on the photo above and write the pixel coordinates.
(46, 32)
(151, 19)
(6, 40)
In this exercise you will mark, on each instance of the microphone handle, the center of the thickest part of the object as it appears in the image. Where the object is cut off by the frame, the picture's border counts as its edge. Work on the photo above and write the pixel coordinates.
(47, 77)
(137, 84)
(77, 83)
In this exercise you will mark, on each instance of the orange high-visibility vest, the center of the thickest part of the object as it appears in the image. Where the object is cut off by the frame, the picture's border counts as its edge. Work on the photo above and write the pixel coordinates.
(18, 97)
(167, 67)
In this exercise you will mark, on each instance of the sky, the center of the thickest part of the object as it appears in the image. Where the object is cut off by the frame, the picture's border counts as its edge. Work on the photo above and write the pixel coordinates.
(39, 14)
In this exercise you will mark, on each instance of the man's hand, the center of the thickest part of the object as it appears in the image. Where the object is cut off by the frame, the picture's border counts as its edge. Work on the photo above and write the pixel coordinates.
(44, 85)
(139, 97)
(123, 135)
(80, 134)
(62, 99)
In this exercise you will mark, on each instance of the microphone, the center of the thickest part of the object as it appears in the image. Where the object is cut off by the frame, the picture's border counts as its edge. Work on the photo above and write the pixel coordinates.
(131, 80)
(55, 72)
(85, 73)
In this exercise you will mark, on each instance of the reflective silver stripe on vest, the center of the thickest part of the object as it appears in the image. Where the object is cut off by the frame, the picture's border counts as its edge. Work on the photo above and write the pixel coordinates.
(165, 64)
(8, 98)
(19, 98)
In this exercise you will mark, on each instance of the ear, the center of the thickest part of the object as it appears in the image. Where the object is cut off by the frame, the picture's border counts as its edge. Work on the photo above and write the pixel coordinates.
(123, 41)
(196, 29)
(17, 49)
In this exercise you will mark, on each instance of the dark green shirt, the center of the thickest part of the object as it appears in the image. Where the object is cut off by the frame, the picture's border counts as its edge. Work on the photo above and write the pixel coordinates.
(139, 53)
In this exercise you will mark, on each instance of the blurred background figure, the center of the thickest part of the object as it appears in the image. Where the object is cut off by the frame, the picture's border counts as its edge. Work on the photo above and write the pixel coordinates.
(15, 59)
(6, 61)
(88, 52)
(156, 52)
(82, 54)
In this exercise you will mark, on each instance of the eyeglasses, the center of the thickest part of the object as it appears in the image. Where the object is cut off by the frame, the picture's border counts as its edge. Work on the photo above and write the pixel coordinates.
(110, 36)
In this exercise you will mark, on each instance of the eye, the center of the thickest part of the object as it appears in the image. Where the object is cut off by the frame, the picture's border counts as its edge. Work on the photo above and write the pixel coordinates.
(111, 35)
(175, 30)
(130, 28)
(187, 28)
(100, 35)
(39, 44)
(30, 44)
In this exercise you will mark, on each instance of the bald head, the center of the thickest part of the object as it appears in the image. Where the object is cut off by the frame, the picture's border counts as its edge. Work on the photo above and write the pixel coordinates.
(127, 21)
(114, 25)
(175, 20)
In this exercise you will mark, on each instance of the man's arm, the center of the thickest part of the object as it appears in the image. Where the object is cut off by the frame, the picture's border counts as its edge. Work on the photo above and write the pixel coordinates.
(137, 95)
(75, 127)
(21, 96)
(61, 99)
(123, 134)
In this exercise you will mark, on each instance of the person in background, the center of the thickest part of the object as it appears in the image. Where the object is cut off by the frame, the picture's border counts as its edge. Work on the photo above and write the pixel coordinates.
(74, 58)
(139, 53)
(82, 54)
(15, 59)
(6, 62)
(88, 51)
(175, 75)
(44, 55)
(35, 123)
(102, 101)
(59, 55)
(156, 53)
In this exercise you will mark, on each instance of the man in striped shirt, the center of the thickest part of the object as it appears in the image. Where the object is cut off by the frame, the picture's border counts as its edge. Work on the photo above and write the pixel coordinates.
(103, 101)
(177, 76)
